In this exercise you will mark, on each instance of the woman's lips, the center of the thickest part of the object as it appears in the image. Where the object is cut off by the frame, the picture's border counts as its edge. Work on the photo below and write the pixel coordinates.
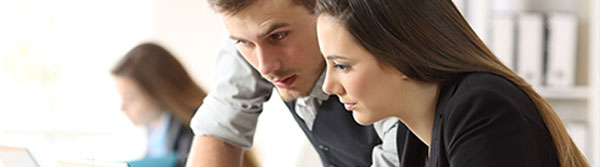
(285, 83)
(349, 106)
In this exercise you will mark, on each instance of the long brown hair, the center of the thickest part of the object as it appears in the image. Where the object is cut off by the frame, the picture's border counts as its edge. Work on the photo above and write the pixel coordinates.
(430, 41)
(163, 78)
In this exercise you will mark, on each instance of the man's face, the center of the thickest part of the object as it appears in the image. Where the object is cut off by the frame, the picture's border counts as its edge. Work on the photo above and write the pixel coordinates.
(279, 39)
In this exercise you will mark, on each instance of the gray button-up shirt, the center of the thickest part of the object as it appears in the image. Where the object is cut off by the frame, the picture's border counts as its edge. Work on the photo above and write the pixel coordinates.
(230, 111)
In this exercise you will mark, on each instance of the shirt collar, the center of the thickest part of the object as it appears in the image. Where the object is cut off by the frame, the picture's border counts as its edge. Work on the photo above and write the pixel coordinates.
(317, 91)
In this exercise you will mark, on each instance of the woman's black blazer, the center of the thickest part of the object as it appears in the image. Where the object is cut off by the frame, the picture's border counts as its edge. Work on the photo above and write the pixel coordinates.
(483, 120)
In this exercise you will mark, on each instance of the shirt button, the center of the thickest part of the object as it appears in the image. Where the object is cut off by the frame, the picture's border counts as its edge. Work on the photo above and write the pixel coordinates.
(323, 147)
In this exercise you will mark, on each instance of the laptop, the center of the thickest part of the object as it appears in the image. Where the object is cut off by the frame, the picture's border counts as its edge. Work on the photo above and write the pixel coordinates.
(16, 157)
(85, 163)
(22, 157)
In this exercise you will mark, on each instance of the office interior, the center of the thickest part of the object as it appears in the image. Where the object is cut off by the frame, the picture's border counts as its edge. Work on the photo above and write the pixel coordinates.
(58, 100)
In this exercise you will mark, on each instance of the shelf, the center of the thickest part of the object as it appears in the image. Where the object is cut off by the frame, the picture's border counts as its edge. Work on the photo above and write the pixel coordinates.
(563, 93)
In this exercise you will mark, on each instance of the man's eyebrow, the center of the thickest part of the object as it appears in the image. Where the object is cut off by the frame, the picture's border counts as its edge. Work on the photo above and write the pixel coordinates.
(331, 57)
(234, 38)
(271, 29)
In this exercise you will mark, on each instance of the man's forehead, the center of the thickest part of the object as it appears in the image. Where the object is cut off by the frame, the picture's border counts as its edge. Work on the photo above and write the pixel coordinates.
(259, 18)
(260, 7)
(270, 5)
(256, 26)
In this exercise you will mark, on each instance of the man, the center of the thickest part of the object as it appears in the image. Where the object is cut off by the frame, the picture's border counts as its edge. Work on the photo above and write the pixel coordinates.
(278, 45)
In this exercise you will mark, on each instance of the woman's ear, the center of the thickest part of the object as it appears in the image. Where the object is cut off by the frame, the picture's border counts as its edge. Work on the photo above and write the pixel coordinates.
(396, 71)
(402, 75)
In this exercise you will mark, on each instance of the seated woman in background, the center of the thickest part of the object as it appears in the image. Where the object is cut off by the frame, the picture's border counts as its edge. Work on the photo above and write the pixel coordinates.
(157, 92)
(419, 61)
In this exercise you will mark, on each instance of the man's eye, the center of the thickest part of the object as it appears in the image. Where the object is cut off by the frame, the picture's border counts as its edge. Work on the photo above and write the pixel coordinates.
(278, 36)
(241, 42)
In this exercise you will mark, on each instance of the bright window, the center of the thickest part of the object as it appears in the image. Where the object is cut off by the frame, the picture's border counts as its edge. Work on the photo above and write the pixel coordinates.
(56, 92)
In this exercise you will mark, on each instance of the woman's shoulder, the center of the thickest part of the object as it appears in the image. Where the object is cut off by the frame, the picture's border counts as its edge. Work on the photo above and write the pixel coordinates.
(486, 85)
(485, 94)
(473, 82)
(489, 117)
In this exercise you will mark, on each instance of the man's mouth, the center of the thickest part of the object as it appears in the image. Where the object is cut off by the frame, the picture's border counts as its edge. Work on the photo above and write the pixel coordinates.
(285, 83)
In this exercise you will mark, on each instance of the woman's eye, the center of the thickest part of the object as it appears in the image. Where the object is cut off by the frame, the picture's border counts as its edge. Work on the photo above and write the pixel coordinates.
(341, 67)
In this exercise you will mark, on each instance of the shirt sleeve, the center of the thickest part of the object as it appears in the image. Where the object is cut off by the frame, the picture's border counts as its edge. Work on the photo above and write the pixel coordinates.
(231, 109)
(386, 153)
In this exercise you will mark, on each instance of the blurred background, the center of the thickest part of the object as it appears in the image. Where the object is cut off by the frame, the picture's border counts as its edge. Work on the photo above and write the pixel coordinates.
(57, 95)
(58, 99)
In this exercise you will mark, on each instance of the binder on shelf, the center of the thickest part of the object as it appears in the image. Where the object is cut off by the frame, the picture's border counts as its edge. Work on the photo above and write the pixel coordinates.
(530, 47)
(562, 48)
(460, 4)
(578, 132)
(478, 14)
(503, 39)
(509, 6)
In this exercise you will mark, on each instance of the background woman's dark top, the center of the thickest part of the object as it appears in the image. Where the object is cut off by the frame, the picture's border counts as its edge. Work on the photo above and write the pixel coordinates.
(483, 120)
(179, 140)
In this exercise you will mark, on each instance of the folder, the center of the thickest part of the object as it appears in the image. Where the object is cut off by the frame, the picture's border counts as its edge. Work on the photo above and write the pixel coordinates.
(503, 39)
(508, 6)
(562, 48)
(460, 5)
(478, 16)
(578, 132)
(530, 47)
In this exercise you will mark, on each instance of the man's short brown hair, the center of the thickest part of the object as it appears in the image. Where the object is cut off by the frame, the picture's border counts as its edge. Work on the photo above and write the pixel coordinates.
(234, 6)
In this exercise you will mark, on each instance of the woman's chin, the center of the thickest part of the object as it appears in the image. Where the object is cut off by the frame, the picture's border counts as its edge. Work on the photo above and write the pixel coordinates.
(362, 120)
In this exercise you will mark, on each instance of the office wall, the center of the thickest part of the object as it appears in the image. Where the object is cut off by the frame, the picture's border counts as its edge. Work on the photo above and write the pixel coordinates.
(192, 31)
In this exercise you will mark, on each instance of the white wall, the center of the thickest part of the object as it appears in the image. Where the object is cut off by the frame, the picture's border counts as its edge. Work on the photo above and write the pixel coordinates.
(192, 31)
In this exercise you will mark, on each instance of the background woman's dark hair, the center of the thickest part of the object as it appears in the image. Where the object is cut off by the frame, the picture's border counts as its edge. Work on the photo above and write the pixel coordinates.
(430, 41)
(163, 78)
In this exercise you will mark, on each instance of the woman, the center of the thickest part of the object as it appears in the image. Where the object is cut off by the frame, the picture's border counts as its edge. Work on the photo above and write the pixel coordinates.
(157, 92)
(419, 60)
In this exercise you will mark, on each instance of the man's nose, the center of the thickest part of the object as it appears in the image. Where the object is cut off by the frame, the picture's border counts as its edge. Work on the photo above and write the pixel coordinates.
(268, 60)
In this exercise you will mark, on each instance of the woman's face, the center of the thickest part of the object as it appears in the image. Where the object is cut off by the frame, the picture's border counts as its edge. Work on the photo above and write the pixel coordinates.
(136, 104)
(372, 90)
